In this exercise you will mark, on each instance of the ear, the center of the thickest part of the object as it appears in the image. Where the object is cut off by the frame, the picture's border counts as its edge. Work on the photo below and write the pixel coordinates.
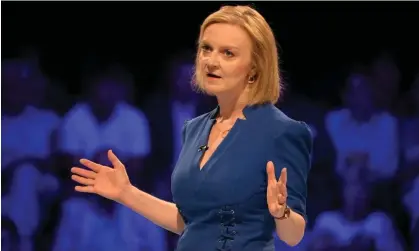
(252, 77)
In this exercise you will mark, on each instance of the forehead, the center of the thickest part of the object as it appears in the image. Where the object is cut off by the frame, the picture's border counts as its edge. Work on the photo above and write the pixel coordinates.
(226, 35)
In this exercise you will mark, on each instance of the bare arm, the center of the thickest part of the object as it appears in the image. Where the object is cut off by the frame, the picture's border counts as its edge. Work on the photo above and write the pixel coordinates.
(294, 149)
(114, 184)
(291, 230)
(160, 212)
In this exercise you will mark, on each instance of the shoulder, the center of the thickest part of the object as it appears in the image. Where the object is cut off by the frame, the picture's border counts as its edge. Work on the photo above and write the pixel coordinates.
(387, 119)
(46, 114)
(281, 125)
(129, 111)
(327, 219)
(79, 111)
(336, 116)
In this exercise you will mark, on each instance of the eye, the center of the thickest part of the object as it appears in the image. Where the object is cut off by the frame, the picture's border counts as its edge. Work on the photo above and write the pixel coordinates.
(228, 53)
(205, 48)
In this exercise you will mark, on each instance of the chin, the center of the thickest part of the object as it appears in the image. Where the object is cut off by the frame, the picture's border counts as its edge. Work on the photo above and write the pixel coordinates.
(213, 89)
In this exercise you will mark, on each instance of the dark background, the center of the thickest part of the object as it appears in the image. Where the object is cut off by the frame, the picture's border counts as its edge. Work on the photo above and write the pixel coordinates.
(319, 42)
(317, 39)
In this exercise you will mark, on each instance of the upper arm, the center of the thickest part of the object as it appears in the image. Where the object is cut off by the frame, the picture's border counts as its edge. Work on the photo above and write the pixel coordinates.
(293, 151)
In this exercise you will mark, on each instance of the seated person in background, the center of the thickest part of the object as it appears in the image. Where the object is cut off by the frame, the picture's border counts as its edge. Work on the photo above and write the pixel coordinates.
(355, 220)
(106, 120)
(363, 136)
(26, 151)
(103, 225)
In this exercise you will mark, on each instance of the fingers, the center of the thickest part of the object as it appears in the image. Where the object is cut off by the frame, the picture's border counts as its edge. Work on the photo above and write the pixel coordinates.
(270, 170)
(117, 164)
(84, 189)
(283, 176)
(83, 172)
(282, 187)
(90, 164)
(282, 192)
(83, 181)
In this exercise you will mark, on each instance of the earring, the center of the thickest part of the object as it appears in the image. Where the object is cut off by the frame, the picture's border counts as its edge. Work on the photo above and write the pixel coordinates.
(251, 79)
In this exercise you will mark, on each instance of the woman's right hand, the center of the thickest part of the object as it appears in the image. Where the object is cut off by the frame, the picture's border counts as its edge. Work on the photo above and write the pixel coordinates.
(102, 180)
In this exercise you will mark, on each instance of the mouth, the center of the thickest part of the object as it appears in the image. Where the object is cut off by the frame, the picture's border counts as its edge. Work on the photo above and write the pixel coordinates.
(211, 75)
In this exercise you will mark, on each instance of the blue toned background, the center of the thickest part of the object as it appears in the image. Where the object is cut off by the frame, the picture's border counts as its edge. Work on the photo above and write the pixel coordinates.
(81, 78)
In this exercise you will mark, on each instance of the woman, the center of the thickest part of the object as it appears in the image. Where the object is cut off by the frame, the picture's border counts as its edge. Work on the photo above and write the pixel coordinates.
(227, 194)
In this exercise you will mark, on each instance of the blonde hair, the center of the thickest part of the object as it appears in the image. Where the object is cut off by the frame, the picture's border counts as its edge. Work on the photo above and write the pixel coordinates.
(267, 87)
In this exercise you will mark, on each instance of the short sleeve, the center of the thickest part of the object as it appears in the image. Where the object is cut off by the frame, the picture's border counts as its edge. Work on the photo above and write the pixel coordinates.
(293, 150)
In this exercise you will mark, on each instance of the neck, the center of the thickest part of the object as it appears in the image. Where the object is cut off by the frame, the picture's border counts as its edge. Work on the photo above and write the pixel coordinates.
(231, 107)
(362, 116)
(101, 113)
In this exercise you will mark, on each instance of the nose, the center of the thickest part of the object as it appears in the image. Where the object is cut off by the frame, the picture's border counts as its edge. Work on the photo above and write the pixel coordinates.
(213, 61)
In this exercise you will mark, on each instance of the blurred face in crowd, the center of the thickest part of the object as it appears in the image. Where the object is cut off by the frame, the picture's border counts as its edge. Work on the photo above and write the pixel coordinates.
(23, 84)
(224, 59)
(108, 92)
(359, 97)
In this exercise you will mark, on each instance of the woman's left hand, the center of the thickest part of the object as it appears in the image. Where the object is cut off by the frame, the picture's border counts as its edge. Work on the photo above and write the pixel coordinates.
(276, 193)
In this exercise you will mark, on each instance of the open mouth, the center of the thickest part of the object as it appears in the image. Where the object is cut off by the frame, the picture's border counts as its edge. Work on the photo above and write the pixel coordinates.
(211, 75)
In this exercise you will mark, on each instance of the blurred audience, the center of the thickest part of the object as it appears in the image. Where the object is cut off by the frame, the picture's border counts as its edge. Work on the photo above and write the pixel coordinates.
(27, 130)
(363, 187)
(356, 226)
(364, 136)
(105, 120)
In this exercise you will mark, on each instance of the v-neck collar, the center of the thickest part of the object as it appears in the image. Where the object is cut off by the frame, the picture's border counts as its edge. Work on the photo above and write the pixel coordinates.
(248, 112)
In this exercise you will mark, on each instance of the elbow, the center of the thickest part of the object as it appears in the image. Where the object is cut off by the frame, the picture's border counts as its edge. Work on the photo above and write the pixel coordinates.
(293, 232)
(292, 242)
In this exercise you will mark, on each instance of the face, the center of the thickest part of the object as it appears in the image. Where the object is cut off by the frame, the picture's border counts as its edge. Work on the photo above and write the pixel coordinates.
(181, 80)
(24, 84)
(108, 91)
(359, 95)
(225, 59)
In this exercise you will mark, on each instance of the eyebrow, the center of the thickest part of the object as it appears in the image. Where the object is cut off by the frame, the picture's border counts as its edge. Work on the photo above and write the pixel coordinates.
(203, 42)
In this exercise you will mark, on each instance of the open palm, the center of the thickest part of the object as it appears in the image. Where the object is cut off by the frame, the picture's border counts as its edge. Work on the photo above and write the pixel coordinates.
(276, 193)
(102, 180)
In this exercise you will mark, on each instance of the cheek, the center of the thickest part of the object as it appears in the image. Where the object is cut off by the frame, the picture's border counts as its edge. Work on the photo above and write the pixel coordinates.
(234, 71)
(202, 61)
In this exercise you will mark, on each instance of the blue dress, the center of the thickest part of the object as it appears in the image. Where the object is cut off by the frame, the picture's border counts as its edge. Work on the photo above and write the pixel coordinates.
(224, 204)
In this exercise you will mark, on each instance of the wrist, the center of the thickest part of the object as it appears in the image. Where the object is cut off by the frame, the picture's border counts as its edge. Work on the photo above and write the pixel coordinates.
(284, 214)
(125, 194)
